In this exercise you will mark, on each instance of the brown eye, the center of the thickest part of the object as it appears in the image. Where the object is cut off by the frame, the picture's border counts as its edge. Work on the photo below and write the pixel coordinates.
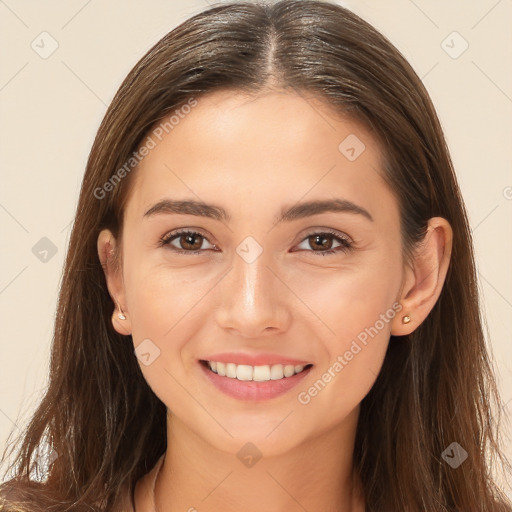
(187, 241)
(322, 243)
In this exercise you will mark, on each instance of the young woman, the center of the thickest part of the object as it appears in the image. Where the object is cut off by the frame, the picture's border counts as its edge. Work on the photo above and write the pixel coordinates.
(269, 300)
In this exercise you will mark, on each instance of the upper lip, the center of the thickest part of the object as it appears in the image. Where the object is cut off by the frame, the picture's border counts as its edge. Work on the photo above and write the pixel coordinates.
(254, 360)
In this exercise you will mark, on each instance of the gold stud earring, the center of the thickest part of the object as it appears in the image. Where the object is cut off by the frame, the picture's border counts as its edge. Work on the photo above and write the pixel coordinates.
(406, 319)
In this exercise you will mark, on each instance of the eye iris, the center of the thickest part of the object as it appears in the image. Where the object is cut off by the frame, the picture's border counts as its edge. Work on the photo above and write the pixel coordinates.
(186, 239)
(322, 237)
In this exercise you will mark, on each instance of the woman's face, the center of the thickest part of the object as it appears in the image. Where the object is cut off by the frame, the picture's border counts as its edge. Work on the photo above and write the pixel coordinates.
(252, 288)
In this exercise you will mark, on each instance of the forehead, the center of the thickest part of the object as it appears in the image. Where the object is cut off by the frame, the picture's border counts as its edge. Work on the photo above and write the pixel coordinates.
(249, 152)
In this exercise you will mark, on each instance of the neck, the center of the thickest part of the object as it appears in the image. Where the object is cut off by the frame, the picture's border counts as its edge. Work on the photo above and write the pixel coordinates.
(316, 475)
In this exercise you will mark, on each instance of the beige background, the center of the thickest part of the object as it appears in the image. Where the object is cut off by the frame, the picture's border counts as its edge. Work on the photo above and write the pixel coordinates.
(51, 107)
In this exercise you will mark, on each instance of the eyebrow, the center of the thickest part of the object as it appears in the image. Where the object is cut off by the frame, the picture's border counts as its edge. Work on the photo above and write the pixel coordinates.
(288, 214)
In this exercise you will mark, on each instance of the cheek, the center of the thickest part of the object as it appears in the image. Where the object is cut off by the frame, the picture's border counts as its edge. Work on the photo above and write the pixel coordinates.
(356, 308)
(162, 301)
(169, 307)
(163, 311)
(347, 299)
(157, 295)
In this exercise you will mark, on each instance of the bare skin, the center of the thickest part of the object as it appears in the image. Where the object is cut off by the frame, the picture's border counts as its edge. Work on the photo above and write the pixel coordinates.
(254, 156)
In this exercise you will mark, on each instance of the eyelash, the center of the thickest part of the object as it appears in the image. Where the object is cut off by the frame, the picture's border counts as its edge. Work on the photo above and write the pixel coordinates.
(346, 244)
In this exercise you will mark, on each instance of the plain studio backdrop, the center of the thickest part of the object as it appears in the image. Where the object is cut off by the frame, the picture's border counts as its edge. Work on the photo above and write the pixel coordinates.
(61, 65)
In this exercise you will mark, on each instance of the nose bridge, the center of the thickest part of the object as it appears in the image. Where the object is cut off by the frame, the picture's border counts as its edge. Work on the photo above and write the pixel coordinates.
(252, 278)
(250, 292)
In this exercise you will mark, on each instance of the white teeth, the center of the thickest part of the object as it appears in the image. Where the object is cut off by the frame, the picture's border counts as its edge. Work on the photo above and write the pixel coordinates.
(221, 369)
(254, 373)
(231, 370)
(276, 372)
(261, 373)
(289, 370)
(243, 372)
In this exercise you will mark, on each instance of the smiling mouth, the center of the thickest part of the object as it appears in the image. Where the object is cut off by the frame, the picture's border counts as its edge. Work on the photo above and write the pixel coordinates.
(263, 373)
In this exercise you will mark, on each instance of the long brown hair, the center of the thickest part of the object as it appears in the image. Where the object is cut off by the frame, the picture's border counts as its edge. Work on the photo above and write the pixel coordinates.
(436, 386)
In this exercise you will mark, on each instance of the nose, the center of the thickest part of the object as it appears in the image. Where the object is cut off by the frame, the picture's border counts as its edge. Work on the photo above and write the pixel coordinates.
(253, 299)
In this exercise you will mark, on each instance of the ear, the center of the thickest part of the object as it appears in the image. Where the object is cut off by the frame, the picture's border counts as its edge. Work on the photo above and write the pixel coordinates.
(107, 252)
(424, 278)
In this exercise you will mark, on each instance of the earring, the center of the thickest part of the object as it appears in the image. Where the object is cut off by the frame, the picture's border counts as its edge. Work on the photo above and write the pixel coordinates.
(406, 319)
(120, 315)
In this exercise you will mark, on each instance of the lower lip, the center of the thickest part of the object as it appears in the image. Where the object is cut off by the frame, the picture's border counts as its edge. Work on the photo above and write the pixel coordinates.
(250, 390)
